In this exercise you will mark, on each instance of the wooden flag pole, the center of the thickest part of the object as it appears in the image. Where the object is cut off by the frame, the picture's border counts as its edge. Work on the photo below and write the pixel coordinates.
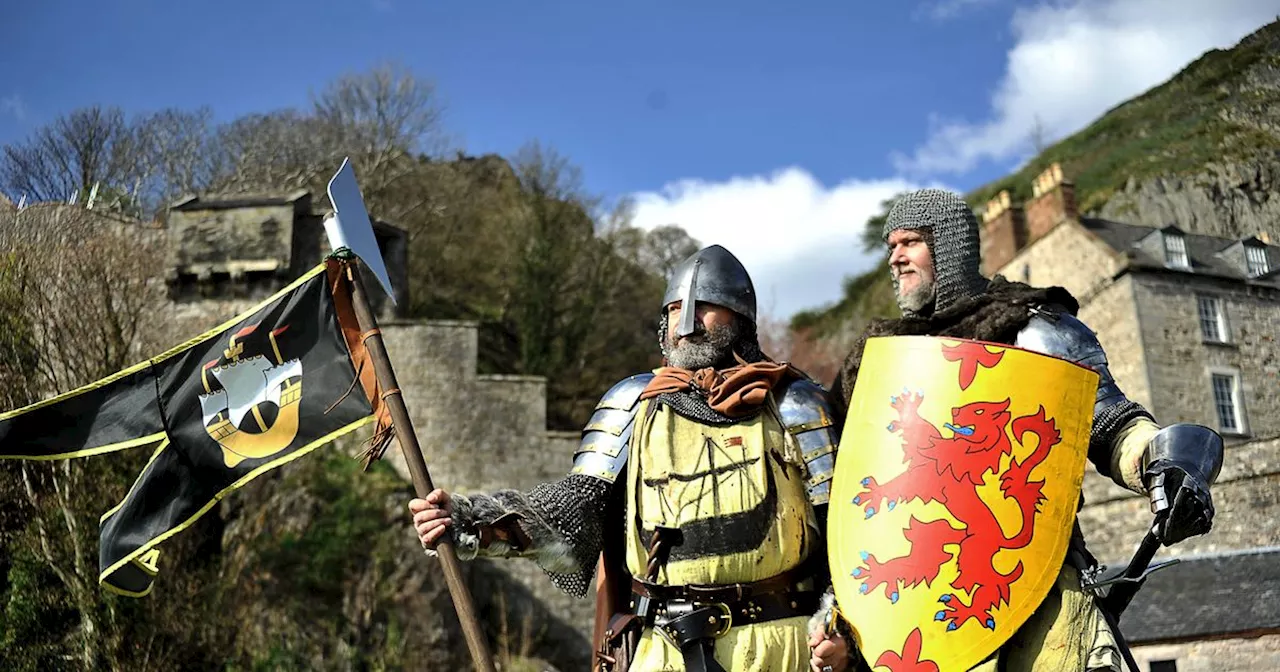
(408, 441)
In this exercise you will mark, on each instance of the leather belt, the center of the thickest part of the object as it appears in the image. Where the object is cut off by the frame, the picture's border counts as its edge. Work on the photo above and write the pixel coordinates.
(693, 626)
(738, 591)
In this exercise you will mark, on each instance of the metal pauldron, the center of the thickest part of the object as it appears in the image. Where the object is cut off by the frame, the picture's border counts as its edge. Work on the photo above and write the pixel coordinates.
(806, 413)
(1060, 334)
(603, 450)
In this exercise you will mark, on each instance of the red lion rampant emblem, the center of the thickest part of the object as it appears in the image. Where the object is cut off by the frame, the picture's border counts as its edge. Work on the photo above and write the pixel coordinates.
(948, 470)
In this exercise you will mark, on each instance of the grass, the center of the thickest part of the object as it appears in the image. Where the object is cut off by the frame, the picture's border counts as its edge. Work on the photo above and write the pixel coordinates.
(1174, 129)
(1199, 117)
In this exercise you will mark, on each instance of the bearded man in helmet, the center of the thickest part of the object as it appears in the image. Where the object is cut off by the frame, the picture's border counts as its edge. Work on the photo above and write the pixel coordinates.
(933, 244)
(699, 489)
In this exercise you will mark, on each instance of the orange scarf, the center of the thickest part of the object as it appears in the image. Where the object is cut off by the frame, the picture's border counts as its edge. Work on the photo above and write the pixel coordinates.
(733, 392)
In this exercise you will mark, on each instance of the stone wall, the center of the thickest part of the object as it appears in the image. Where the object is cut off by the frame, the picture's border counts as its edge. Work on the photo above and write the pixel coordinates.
(1180, 361)
(1113, 315)
(1237, 654)
(203, 237)
(481, 433)
(1246, 500)
(1068, 256)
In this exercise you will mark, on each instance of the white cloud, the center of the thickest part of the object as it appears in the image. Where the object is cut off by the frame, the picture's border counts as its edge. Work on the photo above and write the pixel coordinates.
(14, 105)
(1073, 60)
(797, 237)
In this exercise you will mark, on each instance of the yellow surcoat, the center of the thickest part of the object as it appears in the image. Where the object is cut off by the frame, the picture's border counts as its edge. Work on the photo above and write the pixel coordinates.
(737, 493)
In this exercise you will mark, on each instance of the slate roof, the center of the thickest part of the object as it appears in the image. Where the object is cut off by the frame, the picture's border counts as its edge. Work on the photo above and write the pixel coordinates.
(1205, 596)
(1202, 251)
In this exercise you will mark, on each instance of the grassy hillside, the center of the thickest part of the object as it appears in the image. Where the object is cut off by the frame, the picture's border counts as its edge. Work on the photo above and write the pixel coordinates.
(1224, 106)
(1220, 107)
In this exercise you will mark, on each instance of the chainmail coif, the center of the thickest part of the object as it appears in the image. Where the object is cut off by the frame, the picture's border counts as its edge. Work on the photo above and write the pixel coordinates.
(956, 247)
(694, 406)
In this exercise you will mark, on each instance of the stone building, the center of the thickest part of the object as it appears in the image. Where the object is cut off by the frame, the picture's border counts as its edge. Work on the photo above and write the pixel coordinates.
(248, 246)
(1190, 324)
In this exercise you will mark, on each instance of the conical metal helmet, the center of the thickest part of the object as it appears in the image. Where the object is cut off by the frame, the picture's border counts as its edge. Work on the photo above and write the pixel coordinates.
(712, 275)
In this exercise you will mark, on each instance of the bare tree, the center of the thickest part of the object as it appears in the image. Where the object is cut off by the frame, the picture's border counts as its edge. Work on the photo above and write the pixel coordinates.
(383, 117)
(89, 146)
(177, 154)
(91, 297)
(277, 150)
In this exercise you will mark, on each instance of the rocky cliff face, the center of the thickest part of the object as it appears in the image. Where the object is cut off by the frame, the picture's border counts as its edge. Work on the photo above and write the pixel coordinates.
(1232, 200)
(1237, 192)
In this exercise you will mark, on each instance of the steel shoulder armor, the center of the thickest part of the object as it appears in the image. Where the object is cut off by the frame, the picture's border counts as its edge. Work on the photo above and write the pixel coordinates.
(806, 415)
(1060, 334)
(605, 439)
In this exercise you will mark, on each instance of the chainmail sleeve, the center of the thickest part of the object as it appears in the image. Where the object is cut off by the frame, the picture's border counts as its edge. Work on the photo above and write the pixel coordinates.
(580, 502)
(560, 525)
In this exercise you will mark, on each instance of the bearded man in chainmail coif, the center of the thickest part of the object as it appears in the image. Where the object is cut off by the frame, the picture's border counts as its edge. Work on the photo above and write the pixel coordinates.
(700, 491)
(934, 261)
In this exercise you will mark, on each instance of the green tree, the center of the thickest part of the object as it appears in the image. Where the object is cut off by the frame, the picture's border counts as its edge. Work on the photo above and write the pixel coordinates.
(873, 229)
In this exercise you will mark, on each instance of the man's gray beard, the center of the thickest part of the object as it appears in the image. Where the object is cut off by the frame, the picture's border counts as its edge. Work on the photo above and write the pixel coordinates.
(709, 350)
(917, 300)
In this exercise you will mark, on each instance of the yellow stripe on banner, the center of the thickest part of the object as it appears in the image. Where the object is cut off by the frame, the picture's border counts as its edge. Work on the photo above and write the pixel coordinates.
(159, 449)
(109, 448)
(218, 497)
(320, 268)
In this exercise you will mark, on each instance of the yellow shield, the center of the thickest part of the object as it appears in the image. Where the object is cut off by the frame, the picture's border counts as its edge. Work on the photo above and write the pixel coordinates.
(954, 496)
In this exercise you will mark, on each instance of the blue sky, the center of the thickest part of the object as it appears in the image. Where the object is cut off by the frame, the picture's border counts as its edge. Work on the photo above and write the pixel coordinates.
(766, 127)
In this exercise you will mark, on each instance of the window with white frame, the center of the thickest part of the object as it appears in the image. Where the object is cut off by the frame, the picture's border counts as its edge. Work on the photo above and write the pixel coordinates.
(1255, 259)
(1175, 250)
(1213, 322)
(1226, 401)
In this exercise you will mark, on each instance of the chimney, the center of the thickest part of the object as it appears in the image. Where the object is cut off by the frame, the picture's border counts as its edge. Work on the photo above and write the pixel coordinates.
(1003, 233)
(1053, 201)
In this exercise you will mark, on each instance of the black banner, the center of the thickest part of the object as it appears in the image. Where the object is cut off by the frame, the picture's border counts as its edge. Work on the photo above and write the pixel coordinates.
(265, 388)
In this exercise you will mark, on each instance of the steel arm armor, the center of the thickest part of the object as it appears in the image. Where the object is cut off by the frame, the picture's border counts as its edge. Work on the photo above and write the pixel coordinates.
(806, 414)
(1062, 335)
(606, 438)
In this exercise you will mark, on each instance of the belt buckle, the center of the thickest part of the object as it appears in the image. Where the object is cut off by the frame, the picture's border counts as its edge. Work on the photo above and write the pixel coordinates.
(727, 618)
(682, 609)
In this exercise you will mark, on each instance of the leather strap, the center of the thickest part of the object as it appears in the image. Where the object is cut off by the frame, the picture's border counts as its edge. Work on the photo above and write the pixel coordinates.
(695, 627)
(695, 633)
(733, 592)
